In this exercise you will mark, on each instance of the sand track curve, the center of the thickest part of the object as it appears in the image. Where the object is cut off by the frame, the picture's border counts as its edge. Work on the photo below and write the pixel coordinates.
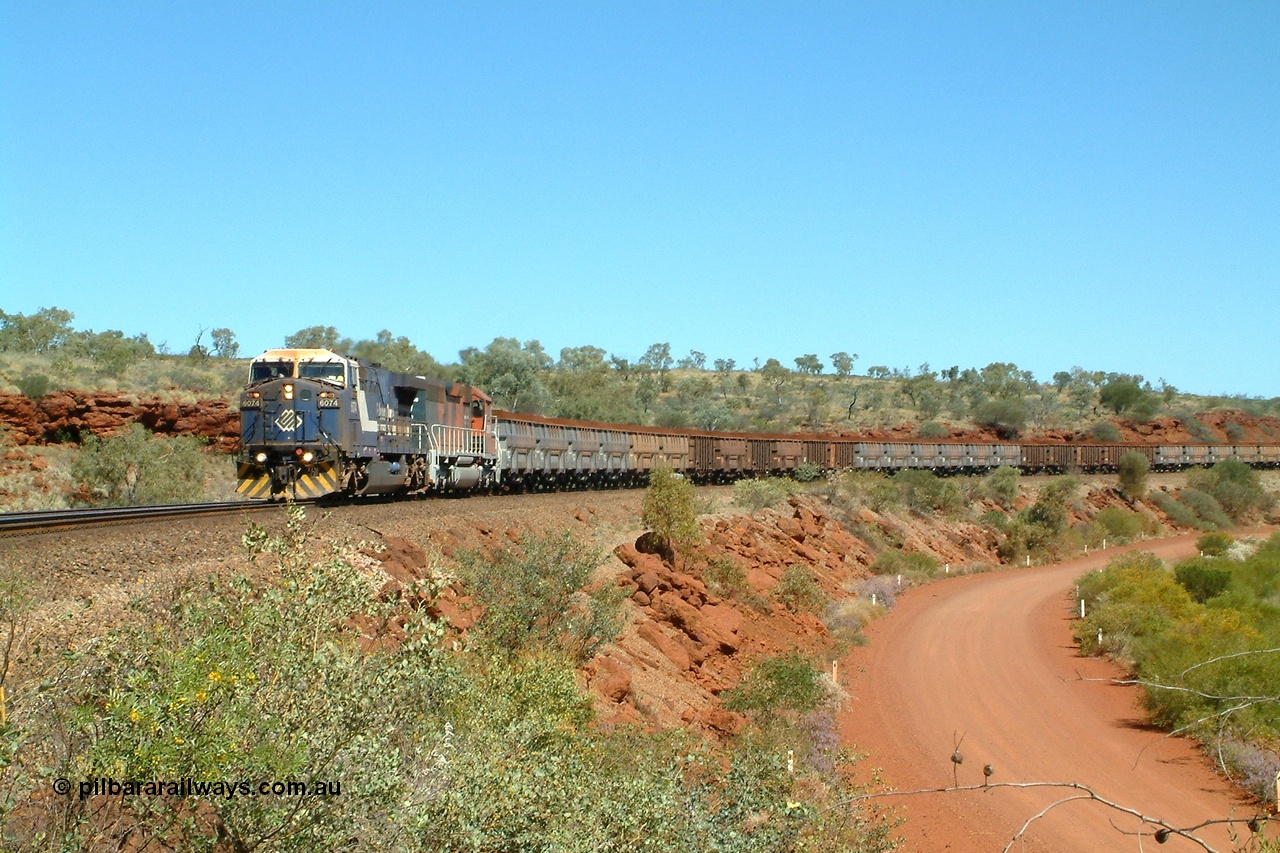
(990, 658)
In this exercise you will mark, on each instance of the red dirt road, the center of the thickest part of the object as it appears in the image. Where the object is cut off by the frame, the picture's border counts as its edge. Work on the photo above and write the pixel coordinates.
(990, 658)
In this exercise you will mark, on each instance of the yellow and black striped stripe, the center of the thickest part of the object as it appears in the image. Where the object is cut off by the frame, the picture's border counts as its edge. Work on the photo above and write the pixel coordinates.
(253, 481)
(317, 482)
(312, 483)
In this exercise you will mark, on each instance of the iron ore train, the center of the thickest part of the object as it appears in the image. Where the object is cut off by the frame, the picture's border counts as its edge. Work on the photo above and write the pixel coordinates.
(315, 423)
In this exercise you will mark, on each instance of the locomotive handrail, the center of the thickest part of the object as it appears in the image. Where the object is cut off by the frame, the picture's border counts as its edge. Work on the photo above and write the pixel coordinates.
(458, 441)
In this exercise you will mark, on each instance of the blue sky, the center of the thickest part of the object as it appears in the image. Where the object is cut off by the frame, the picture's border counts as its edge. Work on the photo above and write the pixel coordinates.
(1092, 184)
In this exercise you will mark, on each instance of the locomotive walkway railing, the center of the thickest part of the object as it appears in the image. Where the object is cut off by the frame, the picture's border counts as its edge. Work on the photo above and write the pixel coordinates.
(457, 441)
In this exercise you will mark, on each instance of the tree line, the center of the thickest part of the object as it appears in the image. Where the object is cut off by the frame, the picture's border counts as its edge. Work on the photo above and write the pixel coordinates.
(694, 390)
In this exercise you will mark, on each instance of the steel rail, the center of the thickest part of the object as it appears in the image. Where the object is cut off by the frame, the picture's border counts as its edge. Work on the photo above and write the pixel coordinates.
(63, 519)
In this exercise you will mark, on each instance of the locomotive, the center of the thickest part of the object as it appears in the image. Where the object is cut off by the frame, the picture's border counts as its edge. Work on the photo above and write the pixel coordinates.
(315, 423)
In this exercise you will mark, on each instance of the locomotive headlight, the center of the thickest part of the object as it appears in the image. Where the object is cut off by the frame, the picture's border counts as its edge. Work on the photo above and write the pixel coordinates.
(308, 456)
(261, 457)
(288, 391)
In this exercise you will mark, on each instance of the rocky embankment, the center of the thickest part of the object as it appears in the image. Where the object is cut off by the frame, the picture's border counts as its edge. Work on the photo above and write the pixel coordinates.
(72, 415)
(687, 639)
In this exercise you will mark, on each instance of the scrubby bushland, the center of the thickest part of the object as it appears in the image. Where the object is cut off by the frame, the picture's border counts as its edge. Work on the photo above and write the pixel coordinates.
(1179, 513)
(1001, 485)
(1116, 524)
(136, 467)
(786, 682)
(913, 564)
(759, 494)
(1043, 528)
(1235, 486)
(1206, 508)
(531, 597)
(1204, 641)
(433, 748)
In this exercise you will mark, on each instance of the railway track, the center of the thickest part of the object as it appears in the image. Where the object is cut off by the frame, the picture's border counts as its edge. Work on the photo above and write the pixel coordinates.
(65, 519)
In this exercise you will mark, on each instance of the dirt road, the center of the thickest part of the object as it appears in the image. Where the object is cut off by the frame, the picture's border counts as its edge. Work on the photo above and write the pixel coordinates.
(990, 659)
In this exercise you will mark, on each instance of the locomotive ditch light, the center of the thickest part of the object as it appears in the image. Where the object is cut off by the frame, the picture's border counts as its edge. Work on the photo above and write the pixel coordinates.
(261, 456)
(308, 456)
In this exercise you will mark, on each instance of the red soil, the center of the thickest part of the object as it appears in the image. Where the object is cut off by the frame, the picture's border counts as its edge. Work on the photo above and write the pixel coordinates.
(989, 659)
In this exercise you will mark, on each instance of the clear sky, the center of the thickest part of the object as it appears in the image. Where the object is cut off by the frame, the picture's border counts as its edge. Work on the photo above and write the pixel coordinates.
(1053, 184)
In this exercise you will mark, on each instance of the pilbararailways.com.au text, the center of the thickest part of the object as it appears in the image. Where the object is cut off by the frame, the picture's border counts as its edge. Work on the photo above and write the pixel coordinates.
(221, 788)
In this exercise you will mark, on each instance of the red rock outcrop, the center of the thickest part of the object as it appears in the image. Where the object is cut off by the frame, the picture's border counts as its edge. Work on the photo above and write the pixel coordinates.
(75, 414)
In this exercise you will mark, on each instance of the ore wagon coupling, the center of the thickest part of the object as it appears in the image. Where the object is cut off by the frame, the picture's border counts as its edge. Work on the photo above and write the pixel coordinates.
(315, 423)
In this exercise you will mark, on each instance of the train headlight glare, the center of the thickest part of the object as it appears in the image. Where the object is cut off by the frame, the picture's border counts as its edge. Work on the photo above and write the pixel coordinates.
(307, 456)
(288, 391)
(261, 457)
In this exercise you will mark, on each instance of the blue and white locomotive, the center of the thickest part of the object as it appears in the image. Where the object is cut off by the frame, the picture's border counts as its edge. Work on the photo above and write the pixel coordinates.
(315, 423)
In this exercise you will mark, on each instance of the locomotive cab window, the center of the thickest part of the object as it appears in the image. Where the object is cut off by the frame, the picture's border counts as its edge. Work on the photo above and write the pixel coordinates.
(325, 371)
(262, 371)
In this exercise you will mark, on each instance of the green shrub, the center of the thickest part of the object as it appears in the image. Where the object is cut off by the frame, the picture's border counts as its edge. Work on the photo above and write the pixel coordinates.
(1206, 508)
(1133, 469)
(136, 467)
(1201, 432)
(914, 563)
(1179, 513)
(1203, 578)
(759, 494)
(670, 511)
(529, 594)
(1106, 431)
(1235, 486)
(798, 591)
(1007, 417)
(1051, 509)
(807, 472)
(995, 519)
(1119, 524)
(246, 683)
(785, 682)
(933, 429)
(1134, 599)
(1001, 485)
(34, 385)
(925, 492)
(1214, 544)
(870, 488)
(724, 576)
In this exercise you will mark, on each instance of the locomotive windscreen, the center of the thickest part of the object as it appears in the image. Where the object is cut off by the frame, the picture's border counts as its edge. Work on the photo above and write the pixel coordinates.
(325, 371)
(261, 371)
